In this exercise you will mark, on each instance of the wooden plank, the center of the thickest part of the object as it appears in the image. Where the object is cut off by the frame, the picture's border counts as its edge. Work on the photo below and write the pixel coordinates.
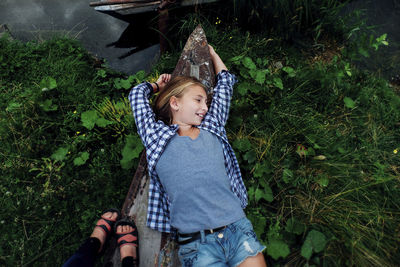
(132, 7)
(115, 2)
(121, 9)
(195, 59)
(156, 249)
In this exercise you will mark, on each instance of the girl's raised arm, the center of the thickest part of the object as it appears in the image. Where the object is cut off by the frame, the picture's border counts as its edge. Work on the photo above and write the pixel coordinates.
(217, 61)
(223, 90)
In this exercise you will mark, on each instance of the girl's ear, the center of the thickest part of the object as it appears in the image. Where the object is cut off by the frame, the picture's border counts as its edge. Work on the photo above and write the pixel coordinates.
(173, 103)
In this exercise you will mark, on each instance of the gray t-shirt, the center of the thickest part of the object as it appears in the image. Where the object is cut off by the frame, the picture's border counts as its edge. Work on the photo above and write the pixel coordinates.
(194, 176)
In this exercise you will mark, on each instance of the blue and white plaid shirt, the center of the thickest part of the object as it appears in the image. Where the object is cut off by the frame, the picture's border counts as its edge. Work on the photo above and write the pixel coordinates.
(156, 134)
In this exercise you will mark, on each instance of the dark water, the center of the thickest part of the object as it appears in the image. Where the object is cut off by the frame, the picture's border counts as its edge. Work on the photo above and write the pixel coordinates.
(115, 40)
(101, 34)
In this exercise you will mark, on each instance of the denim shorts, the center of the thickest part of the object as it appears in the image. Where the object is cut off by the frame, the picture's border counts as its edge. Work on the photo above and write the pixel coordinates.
(228, 247)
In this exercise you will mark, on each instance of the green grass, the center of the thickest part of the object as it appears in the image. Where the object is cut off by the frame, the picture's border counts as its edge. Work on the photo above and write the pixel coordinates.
(316, 140)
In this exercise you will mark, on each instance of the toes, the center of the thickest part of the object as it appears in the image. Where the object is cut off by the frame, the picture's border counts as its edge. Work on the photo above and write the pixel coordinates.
(123, 229)
(109, 215)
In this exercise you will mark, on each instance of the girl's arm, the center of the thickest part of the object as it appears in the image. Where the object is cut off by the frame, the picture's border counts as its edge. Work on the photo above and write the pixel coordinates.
(217, 61)
(223, 90)
(143, 113)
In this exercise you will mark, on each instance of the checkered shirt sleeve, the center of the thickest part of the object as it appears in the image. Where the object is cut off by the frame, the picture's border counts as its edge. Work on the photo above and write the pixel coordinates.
(154, 135)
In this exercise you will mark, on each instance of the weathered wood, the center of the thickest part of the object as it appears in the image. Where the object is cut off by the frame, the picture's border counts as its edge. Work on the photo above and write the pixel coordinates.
(156, 249)
(124, 9)
(115, 2)
(195, 59)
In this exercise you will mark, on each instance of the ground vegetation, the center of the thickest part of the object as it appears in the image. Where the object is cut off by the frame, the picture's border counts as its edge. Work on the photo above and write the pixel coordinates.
(317, 138)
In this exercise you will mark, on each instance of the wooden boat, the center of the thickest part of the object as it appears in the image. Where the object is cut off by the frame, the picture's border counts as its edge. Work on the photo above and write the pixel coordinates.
(155, 248)
(123, 9)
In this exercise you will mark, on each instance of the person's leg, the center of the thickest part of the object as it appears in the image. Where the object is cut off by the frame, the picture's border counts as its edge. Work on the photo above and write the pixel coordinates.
(87, 252)
(254, 261)
(128, 243)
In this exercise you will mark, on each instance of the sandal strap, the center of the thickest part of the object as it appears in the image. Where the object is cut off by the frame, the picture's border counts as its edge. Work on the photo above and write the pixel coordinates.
(105, 224)
(129, 238)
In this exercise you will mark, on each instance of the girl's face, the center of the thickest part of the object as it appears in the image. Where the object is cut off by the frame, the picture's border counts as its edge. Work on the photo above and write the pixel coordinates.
(191, 108)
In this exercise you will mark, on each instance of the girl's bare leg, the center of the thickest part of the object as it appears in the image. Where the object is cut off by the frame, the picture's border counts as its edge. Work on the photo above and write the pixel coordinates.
(254, 261)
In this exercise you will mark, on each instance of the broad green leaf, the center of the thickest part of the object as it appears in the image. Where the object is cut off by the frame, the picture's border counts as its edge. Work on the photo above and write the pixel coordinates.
(262, 169)
(81, 159)
(258, 222)
(294, 226)
(287, 176)
(131, 151)
(101, 73)
(47, 105)
(236, 59)
(278, 83)
(250, 156)
(244, 73)
(258, 194)
(89, 119)
(318, 240)
(251, 192)
(315, 242)
(348, 102)
(48, 83)
(264, 193)
(126, 84)
(253, 73)
(60, 154)
(268, 195)
(248, 63)
(13, 106)
(242, 88)
(306, 249)
(140, 75)
(101, 122)
(277, 249)
(117, 83)
(260, 76)
(323, 181)
(290, 71)
(242, 144)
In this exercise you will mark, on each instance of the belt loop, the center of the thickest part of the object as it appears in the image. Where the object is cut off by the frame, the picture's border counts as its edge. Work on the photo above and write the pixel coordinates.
(202, 237)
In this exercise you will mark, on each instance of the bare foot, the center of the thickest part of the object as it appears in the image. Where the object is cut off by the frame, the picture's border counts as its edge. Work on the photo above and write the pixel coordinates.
(127, 249)
(99, 232)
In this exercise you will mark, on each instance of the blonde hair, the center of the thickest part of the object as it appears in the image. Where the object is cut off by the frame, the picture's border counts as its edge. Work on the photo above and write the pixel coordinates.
(175, 87)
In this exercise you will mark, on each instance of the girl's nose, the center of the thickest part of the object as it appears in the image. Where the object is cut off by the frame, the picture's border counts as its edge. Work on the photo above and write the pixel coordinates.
(204, 107)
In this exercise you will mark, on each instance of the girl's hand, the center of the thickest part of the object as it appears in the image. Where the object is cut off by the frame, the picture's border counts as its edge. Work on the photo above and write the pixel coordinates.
(162, 81)
(217, 61)
(212, 51)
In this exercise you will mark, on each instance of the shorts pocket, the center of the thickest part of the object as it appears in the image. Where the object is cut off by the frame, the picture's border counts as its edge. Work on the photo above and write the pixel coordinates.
(246, 228)
(188, 253)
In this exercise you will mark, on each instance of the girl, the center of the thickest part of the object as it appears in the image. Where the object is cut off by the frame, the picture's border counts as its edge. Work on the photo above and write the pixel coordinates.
(196, 188)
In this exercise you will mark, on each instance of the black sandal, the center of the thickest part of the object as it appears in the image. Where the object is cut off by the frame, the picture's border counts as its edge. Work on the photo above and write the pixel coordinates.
(128, 238)
(106, 224)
